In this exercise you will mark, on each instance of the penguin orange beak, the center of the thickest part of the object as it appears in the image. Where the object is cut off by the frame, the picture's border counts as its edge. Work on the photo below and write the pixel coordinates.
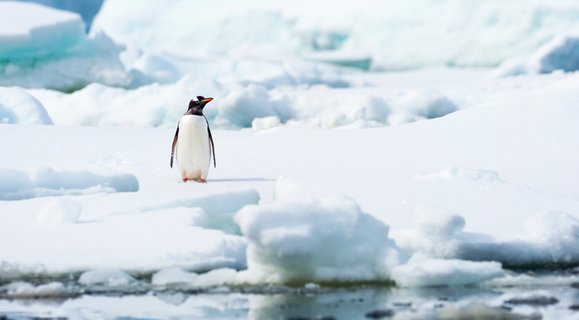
(207, 100)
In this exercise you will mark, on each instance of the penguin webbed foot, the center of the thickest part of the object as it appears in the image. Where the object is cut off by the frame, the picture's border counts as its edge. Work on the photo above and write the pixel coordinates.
(200, 180)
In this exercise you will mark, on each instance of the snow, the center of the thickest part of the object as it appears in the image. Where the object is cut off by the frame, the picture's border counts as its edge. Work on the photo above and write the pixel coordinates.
(18, 106)
(329, 239)
(17, 185)
(435, 187)
(60, 212)
(434, 177)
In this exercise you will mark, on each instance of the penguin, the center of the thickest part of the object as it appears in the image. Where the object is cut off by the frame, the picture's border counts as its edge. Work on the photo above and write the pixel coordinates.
(193, 143)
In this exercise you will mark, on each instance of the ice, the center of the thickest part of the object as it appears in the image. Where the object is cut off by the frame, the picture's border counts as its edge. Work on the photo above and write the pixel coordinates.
(87, 9)
(177, 276)
(172, 275)
(107, 277)
(420, 271)
(30, 31)
(559, 54)
(18, 106)
(16, 185)
(474, 33)
(329, 239)
(60, 212)
(25, 290)
(47, 48)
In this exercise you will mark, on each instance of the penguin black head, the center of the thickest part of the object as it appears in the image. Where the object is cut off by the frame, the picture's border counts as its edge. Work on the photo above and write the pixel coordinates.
(196, 106)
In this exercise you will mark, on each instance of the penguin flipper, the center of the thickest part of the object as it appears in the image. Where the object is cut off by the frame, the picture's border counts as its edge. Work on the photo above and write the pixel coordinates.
(174, 144)
(212, 144)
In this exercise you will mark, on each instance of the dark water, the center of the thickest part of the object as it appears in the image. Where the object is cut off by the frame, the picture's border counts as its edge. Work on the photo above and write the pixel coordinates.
(549, 297)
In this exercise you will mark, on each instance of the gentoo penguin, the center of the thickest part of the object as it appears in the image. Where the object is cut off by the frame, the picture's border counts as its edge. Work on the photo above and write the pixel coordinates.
(194, 143)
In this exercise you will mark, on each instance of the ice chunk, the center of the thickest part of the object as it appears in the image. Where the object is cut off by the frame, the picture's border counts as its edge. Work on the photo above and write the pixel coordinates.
(328, 239)
(110, 277)
(173, 276)
(30, 30)
(559, 54)
(60, 211)
(44, 47)
(25, 290)
(17, 106)
(423, 272)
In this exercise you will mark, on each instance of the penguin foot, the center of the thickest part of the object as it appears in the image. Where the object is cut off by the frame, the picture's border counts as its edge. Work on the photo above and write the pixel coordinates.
(202, 180)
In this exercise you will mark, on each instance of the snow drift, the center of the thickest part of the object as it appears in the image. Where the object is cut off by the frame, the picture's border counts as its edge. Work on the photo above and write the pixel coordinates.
(17, 106)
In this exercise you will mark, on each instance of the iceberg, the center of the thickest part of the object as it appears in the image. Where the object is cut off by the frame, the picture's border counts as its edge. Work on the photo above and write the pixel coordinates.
(48, 48)
(392, 36)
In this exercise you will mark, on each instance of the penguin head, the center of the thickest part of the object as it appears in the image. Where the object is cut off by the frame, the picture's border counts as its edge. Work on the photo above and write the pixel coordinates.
(196, 106)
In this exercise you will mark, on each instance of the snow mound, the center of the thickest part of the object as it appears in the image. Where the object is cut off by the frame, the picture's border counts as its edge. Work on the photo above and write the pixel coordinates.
(240, 108)
(17, 185)
(47, 48)
(329, 239)
(549, 238)
(60, 212)
(259, 124)
(109, 277)
(420, 271)
(17, 106)
(417, 105)
(559, 54)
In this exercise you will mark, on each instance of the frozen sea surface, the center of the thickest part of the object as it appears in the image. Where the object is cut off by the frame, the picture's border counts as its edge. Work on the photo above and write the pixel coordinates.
(546, 296)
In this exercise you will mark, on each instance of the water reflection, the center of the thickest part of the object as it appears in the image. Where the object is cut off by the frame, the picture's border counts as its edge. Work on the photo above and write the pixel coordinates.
(359, 303)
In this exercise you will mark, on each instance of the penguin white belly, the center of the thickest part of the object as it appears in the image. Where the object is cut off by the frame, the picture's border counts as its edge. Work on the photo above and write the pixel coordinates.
(193, 151)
